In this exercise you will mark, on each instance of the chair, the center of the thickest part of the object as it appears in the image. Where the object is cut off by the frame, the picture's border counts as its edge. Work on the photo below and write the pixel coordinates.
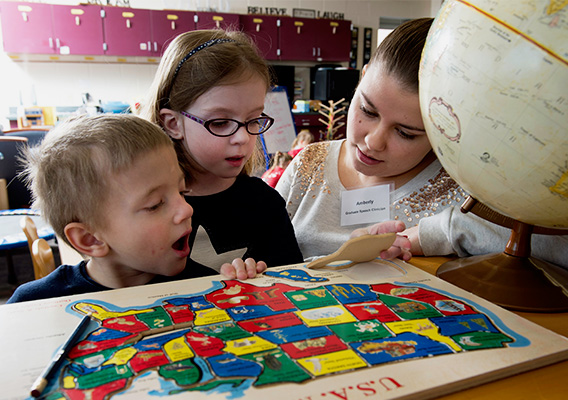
(42, 256)
(10, 148)
(29, 227)
(34, 135)
(3, 195)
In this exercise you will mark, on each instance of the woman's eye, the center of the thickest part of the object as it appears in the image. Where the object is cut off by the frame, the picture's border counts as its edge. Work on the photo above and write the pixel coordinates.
(404, 134)
(368, 112)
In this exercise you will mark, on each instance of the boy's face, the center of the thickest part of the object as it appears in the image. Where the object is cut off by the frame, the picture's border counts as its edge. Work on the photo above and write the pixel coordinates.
(147, 221)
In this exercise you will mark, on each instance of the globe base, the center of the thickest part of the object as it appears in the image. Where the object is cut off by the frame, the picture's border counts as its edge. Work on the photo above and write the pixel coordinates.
(516, 283)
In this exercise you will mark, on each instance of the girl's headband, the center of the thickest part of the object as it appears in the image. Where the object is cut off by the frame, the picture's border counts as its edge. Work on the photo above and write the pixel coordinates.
(192, 52)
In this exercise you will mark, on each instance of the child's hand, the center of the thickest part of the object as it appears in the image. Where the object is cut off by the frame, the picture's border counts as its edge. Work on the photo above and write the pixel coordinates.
(401, 246)
(240, 269)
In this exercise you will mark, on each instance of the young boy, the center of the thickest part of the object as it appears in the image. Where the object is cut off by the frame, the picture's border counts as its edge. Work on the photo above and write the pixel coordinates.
(111, 187)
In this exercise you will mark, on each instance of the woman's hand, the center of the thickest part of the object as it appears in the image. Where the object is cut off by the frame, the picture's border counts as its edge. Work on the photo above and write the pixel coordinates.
(243, 270)
(401, 246)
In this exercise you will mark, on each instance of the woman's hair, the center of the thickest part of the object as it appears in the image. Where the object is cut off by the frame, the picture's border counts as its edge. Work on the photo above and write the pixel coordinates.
(303, 136)
(195, 62)
(280, 159)
(400, 52)
(69, 172)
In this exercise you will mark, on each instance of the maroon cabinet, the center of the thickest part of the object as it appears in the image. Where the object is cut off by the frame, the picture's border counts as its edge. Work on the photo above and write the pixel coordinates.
(215, 20)
(27, 27)
(38, 28)
(77, 29)
(166, 25)
(263, 29)
(128, 32)
(297, 39)
(333, 42)
(303, 39)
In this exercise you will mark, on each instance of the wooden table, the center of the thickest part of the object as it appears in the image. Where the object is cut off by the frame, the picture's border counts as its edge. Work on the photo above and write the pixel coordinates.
(548, 383)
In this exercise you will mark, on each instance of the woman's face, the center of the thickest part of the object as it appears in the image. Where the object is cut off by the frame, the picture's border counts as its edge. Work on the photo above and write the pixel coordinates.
(385, 132)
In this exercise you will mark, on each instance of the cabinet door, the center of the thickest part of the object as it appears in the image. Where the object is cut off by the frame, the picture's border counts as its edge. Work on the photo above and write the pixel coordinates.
(166, 25)
(264, 31)
(78, 29)
(214, 20)
(298, 39)
(128, 31)
(333, 40)
(27, 28)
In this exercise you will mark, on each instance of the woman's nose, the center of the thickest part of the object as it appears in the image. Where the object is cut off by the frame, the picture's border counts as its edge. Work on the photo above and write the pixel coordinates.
(377, 138)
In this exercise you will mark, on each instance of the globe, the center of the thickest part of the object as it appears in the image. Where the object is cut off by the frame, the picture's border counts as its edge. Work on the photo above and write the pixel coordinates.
(494, 99)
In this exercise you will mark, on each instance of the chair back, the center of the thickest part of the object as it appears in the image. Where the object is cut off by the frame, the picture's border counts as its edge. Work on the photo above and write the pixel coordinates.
(29, 227)
(10, 149)
(43, 257)
(3, 194)
(34, 136)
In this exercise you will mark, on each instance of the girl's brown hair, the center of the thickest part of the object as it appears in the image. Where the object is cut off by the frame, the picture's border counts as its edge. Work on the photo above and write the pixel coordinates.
(232, 59)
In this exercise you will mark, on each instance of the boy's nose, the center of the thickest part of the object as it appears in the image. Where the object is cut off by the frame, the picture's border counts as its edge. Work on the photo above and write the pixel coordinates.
(185, 211)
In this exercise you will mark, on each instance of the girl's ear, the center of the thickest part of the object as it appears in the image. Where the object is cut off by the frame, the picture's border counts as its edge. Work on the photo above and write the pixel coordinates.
(84, 241)
(364, 70)
(171, 123)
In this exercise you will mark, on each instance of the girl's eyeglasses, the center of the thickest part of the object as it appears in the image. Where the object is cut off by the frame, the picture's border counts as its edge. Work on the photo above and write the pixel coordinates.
(224, 127)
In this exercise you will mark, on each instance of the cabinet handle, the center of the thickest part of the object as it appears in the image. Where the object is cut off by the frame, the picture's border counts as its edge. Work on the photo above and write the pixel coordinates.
(319, 51)
(313, 51)
(173, 25)
(51, 43)
(77, 20)
(57, 43)
(155, 47)
(128, 23)
(149, 46)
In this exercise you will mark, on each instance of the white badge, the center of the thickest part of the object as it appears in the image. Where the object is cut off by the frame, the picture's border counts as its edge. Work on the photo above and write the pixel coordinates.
(365, 206)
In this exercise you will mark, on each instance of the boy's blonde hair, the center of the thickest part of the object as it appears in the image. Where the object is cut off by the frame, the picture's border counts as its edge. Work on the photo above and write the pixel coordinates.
(69, 172)
(178, 84)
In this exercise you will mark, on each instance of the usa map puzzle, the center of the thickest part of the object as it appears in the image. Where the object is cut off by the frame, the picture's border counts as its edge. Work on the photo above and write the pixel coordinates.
(297, 333)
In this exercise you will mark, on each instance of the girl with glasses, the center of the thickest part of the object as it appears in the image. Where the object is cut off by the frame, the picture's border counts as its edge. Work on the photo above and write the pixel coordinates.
(208, 95)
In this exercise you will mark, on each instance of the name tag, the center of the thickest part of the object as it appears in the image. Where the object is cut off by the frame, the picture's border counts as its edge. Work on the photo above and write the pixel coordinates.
(366, 205)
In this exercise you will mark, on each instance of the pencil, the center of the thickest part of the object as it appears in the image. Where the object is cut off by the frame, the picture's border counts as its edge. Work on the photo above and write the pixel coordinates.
(41, 382)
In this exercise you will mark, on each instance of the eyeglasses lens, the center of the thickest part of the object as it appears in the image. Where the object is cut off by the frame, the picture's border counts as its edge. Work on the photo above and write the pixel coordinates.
(227, 127)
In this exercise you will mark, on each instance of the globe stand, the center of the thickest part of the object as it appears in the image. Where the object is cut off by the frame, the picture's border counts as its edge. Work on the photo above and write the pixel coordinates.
(512, 279)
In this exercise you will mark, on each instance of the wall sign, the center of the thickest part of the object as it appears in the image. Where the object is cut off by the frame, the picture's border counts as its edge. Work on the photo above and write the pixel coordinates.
(303, 13)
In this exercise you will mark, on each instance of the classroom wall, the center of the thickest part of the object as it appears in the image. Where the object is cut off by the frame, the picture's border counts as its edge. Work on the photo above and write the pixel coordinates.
(35, 81)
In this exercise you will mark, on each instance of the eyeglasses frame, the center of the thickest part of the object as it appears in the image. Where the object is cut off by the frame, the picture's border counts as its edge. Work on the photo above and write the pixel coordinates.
(240, 124)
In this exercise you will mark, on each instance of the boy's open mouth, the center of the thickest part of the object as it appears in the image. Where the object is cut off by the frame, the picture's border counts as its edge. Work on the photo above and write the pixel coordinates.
(182, 243)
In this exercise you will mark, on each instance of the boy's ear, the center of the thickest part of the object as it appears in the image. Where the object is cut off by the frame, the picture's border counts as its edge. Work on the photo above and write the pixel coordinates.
(171, 123)
(84, 241)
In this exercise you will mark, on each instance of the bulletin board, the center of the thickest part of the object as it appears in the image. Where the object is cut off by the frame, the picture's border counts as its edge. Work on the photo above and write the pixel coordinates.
(283, 132)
